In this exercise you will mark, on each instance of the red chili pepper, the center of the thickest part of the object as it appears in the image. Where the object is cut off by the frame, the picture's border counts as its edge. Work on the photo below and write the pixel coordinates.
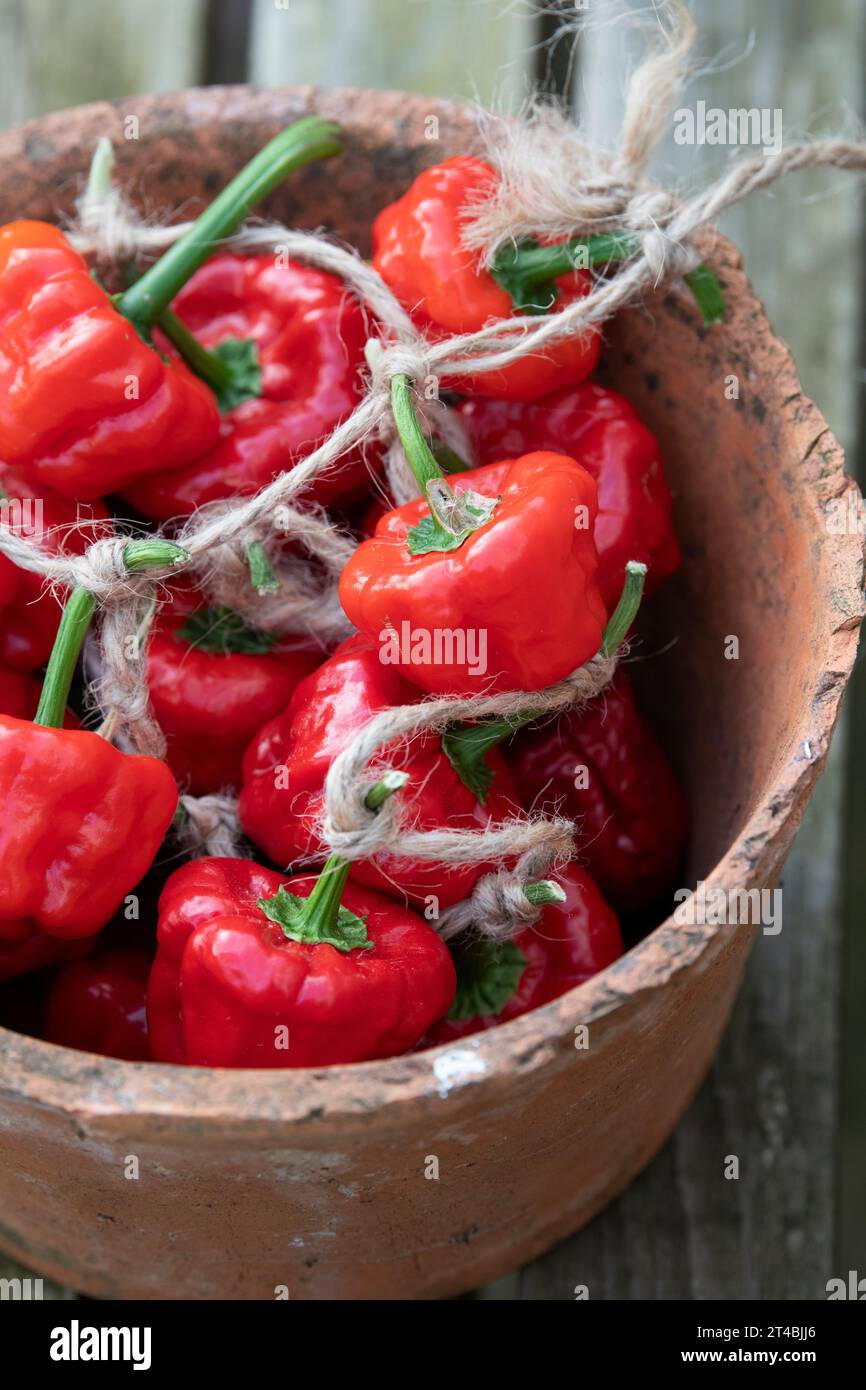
(80, 822)
(418, 251)
(600, 429)
(87, 404)
(571, 941)
(30, 613)
(213, 682)
(256, 970)
(310, 337)
(604, 766)
(286, 764)
(490, 584)
(99, 1005)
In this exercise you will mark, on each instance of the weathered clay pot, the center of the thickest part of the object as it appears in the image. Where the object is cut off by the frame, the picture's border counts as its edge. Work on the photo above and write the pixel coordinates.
(316, 1180)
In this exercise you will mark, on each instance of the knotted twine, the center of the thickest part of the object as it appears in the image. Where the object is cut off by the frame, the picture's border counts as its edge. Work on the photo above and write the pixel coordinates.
(552, 183)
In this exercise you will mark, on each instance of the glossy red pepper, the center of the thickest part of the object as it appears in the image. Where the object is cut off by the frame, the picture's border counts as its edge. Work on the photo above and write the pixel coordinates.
(80, 822)
(310, 336)
(30, 612)
(281, 802)
(213, 682)
(234, 986)
(418, 251)
(600, 429)
(100, 1005)
(85, 404)
(515, 607)
(570, 942)
(604, 766)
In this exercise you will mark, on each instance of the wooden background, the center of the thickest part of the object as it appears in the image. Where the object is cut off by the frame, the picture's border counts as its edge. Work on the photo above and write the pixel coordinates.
(787, 1092)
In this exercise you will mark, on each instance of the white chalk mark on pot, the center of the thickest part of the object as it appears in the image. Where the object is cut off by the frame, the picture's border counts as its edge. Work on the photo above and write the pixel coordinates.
(454, 1068)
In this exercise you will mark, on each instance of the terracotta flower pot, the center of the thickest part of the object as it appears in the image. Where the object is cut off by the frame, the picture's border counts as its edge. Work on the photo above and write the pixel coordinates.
(316, 1180)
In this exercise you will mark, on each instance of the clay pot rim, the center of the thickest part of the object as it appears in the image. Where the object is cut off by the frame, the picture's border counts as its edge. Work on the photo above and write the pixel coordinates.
(96, 1085)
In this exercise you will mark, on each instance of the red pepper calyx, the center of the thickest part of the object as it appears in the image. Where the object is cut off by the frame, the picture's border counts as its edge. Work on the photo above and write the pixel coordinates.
(466, 745)
(320, 919)
(488, 974)
(488, 971)
(221, 631)
(232, 369)
(454, 516)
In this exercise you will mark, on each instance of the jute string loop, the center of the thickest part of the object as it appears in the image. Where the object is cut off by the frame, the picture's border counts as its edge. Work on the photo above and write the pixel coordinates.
(498, 907)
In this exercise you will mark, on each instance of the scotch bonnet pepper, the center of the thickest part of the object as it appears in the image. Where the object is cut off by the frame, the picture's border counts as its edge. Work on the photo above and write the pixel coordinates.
(488, 584)
(100, 1005)
(418, 251)
(573, 939)
(309, 335)
(80, 822)
(256, 970)
(603, 766)
(601, 430)
(87, 403)
(282, 799)
(213, 680)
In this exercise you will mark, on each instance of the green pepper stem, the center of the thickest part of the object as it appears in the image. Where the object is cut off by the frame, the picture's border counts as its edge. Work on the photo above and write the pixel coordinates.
(625, 612)
(212, 369)
(101, 166)
(707, 293)
(263, 576)
(306, 140)
(522, 268)
(152, 554)
(321, 907)
(536, 264)
(543, 892)
(77, 613)
(415, 446)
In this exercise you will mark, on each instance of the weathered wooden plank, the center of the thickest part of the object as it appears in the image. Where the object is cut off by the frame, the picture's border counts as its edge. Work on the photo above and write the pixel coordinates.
(227, 40)
(446, 48)
(55, 55)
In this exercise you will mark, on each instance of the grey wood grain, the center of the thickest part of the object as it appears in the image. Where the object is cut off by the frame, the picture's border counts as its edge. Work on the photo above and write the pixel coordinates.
(55, 55)
(481, 49)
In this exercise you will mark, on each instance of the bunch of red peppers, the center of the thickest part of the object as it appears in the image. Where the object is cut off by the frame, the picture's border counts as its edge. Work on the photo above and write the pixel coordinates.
(198, 381)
